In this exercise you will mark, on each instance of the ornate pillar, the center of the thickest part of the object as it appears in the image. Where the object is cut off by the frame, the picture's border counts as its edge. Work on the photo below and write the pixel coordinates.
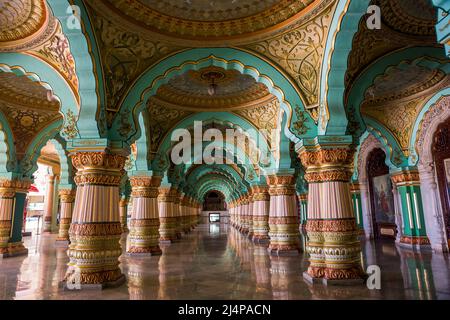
(333, 245)
(283, 219)
(95, 231)
(185, 220)
(366, 210)
(143, 238)
(183, 205)
(123, 213)
(432, 208)
(12, 201)
(303, 202)
(167, 221)
(414, 232)
(67, 197)
(357, 205)
(238, 210)
(230, 213)
(244, 215)
(250, 215)
(261, 204)
(48, 207)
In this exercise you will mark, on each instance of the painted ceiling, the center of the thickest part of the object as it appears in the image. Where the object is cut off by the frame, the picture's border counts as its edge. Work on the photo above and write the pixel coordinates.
(234, 90)
(195, 20)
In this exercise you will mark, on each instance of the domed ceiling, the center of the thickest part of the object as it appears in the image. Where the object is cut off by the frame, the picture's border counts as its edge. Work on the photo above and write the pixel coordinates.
(27, 106)
(233, 90)
(212, 20)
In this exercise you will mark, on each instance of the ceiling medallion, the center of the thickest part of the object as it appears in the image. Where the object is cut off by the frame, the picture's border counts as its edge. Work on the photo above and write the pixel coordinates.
(212, 77)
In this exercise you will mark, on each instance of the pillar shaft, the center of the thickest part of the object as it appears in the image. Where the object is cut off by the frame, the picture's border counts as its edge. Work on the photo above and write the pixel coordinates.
(332, 231)
(49, 203)
(123, 213)
(12, 201)
(144, 225)
(95, 230)
(67, 197)
(167, 219)
(408, 187)
(283, 220)
(261, 205)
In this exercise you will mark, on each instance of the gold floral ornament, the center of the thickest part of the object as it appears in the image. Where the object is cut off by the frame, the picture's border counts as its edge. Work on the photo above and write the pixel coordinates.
(299, 127)
(70, 127)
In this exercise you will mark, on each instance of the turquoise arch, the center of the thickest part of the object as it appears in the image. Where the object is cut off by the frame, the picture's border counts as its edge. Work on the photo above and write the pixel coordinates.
(82, 44)
(344, 26)
(67, 172)
(431, 58)
(28, 165)
(414, 157)
(384, 145)
(8, 161)
(394, 153)
(194, 59)
(231, 120)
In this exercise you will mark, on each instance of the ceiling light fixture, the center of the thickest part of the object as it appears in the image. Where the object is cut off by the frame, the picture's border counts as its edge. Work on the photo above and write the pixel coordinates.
(212, 76)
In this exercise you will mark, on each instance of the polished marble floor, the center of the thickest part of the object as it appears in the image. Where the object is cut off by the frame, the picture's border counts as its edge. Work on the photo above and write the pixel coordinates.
(216, 262)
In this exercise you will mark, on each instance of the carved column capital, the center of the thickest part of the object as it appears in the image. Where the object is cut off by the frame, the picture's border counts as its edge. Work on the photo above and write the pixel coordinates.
(145, 187)
(67, 195)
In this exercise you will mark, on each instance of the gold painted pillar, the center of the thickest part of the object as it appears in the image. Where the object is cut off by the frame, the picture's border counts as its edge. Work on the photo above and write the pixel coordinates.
(123, 213)
(167, 220)
(185, 220)
(333, 245)
(67, 197)
(244, 214)
(10, 230)
(143, 238)
(49, 203)
(250, 215)
(95, 231)
(261, 204)
(283, 219)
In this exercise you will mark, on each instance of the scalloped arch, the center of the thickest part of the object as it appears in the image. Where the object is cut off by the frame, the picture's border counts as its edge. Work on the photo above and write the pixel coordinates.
(195, 59)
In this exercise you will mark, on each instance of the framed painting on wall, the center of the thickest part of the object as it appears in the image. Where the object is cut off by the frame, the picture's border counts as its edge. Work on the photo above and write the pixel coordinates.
(383, 200)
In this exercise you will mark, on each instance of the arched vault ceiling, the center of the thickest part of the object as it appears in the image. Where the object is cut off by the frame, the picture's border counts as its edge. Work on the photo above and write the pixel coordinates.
(28, 107)
(128, 49)
(197, 21)
(405, 23)
(234, 90)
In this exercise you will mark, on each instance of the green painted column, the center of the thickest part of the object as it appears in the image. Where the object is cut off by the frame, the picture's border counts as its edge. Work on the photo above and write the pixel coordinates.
(303, 203)
(357, 204)
(408, 186)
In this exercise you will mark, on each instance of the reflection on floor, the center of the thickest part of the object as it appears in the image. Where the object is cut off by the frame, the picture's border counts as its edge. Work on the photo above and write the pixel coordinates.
(217, 262)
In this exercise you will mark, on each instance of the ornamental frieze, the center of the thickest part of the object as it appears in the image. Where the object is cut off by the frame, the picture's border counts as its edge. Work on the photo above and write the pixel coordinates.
(95, 229)
(67, 195)
(98, 160)
(323, 157)
(328, 176)
(300, 52)
(406, 177)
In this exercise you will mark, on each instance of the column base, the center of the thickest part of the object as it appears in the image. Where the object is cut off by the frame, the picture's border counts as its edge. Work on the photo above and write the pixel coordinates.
(260, 239)
(330, 282)
(14, 250)
(143, 252)
(281, 252)
(166, 241)
(415, 243)
(61, 243)
(95, 286)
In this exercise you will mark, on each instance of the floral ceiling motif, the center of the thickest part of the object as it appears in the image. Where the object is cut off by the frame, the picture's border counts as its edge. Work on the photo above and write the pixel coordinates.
(198, 20)
(125, 56)
(190, 90)
(399, 83)
(299, 52)
(21, 19)
(26, 123)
